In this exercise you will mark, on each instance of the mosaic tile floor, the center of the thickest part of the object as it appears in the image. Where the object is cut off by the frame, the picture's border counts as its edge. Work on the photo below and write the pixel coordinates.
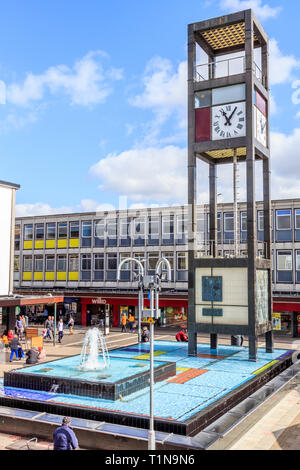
(199, 380)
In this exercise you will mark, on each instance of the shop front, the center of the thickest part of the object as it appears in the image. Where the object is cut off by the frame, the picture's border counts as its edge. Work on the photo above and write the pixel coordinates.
(286, 318)
(173, 311)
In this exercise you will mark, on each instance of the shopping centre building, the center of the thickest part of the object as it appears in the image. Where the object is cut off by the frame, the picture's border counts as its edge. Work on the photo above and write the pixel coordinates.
(77, 255)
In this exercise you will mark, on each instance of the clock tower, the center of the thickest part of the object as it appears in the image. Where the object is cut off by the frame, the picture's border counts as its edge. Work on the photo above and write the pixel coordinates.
(228, 122)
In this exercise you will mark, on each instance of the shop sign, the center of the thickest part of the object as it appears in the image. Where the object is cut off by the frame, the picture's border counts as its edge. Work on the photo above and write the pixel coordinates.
(98, 300)
(277, 321)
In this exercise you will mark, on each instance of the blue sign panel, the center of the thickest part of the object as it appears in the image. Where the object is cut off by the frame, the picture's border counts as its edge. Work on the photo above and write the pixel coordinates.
(212, 289)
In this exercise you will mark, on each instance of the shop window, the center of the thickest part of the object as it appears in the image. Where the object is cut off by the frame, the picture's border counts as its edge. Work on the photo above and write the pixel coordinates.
(39, 231)
(51, 231)
(74, 229)
(283, 220)
(28, 232)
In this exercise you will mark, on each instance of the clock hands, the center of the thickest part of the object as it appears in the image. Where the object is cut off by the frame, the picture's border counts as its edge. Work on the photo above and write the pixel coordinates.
(231, 116)
(228, 119)
(225, 116)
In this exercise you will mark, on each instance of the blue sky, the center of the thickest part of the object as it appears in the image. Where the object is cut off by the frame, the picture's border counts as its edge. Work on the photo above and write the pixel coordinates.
(95, 101)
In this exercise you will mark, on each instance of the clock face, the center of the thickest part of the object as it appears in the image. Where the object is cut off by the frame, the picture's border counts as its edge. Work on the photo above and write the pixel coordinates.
(228, 121)
(261, 128)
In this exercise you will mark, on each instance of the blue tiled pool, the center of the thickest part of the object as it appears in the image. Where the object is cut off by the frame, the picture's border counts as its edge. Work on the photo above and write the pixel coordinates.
(199, 381)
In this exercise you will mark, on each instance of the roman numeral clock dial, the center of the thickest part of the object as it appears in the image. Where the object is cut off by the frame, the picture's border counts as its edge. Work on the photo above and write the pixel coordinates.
(228, 121)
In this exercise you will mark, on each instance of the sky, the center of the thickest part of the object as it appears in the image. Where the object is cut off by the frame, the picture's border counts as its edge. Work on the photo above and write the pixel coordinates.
(94, 102)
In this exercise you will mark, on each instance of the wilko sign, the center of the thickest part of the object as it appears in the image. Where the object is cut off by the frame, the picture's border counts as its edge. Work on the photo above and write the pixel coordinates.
(98, 301)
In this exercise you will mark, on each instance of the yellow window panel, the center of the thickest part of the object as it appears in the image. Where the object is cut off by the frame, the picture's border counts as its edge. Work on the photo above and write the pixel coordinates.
(61, 276)
(62, 243)
(50, 276)
(27, 276)
(227, 153)
(38, 276)
(73, 276)
(74, 243)
(50, 243)
(39, 244)
(28, 245)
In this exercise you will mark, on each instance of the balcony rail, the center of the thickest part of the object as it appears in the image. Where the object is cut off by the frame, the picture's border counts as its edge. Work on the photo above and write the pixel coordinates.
(224, 68)
(227, 249)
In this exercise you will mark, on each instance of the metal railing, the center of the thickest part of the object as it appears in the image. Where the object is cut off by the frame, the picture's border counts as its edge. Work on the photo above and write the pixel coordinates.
(225, 68)
(229, 249)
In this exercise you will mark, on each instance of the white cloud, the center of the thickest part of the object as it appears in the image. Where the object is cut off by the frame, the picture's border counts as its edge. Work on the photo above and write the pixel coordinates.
(165, 94)
(145, 174)
(263, 11)
(40, 208)
(90, 205)
(281, 66)
(86, 83)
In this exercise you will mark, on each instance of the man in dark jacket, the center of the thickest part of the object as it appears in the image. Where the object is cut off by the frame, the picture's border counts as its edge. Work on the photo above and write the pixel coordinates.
(64, 438)
(145, 335)
(32, 356)
(14, 346)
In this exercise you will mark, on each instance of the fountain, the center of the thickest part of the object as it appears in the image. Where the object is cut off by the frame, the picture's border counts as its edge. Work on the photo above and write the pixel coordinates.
(94, 343)
(79, 375)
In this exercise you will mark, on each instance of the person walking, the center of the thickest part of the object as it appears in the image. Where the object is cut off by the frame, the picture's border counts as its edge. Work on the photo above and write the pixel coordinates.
(14, 346)
(123, 323)
(60, 328)
(71, 324)
(131, 322)
(64, 438)
(48, 323)
(19, 328)
(145, 335)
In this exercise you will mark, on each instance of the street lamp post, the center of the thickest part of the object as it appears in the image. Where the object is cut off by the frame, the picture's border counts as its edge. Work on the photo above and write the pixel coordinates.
(154, 285)
(141, 290)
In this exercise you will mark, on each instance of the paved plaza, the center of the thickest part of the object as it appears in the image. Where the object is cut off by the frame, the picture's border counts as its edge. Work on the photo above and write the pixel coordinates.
(274, 428)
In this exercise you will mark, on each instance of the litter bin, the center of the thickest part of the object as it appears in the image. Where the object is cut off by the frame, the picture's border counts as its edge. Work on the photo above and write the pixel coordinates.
(236, 340)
